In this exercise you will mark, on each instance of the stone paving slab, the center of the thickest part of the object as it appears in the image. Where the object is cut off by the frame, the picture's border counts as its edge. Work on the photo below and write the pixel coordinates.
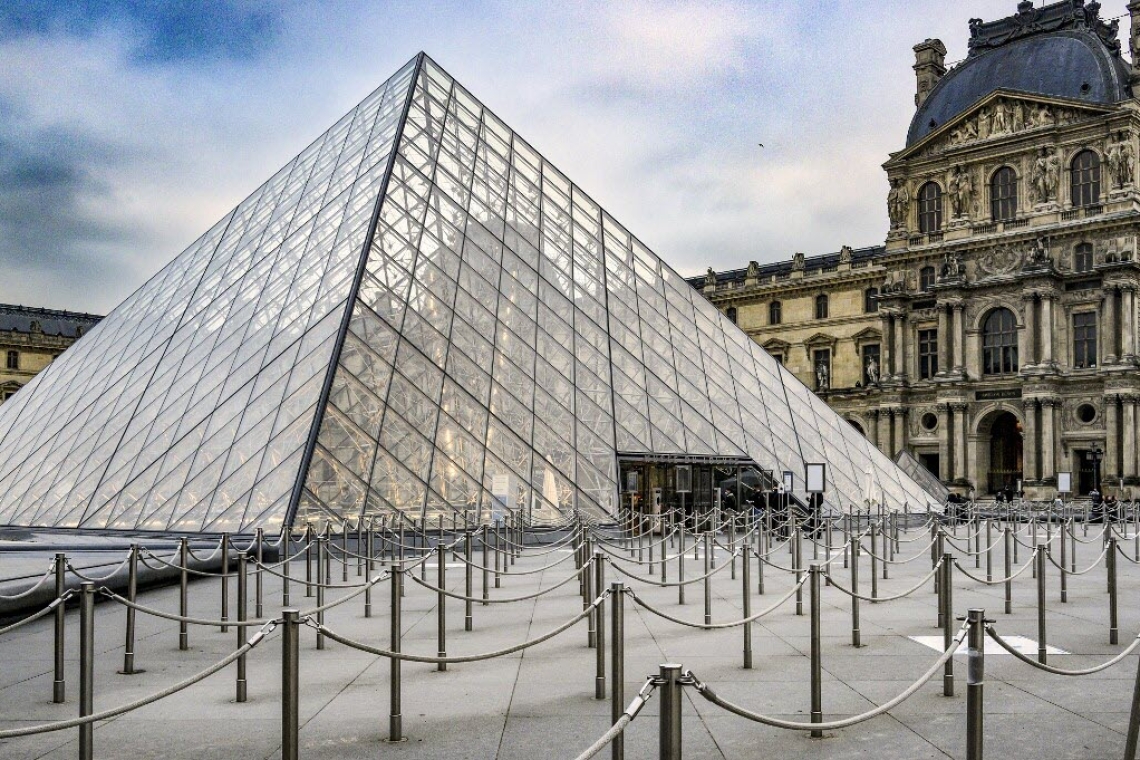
(540, 702)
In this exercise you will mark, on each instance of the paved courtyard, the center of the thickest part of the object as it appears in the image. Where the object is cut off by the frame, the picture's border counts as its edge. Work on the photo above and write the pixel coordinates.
(540, 702)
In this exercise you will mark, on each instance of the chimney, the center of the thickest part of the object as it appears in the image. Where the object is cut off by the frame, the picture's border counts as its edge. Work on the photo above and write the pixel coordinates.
(1134, 45)
(930, 64)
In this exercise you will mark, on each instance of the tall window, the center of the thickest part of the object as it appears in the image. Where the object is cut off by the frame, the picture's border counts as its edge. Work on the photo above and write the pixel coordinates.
(930, 208)
(1084, 339)
(1083, 257)
(870, 300)
(1086, 178)
(821, 307)
(1003, 195)
(779, 357)
(775, 313)
(821, 368)
(926, 278)
(872, 364)
(13, 361)
(927, 354)
(730, 312)
(999, 343)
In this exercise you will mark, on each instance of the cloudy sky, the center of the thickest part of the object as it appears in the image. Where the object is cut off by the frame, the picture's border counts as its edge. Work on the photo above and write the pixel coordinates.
(127, 127)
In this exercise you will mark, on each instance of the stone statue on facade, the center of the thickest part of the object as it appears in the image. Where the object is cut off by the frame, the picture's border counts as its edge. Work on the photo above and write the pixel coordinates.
(710, 278)
(798, 261)
(872, 371)
(822, 380)
(1000, 123)
(898, 204)
(1043, 177)
(961, 191)
(1121, 160)
(753, 270)
(1038, 255)
(952, 268)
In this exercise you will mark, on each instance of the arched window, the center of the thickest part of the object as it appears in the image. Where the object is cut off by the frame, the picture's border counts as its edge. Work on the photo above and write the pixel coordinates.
(1086, 178)
(999, 343)
(821, 306)
(775, 315)
(870, 300)
(926, 278)
(1003, 195)
(930, 208)
(730, 312)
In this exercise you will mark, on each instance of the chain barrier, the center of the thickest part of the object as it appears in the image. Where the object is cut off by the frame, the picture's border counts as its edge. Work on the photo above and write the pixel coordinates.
(36, 616)
(1009, 648)
(28, 592)
(626, 718)
(874, 599)
(711, 626)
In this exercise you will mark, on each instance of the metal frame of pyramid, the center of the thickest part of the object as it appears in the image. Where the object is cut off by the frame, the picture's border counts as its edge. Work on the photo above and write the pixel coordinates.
(418, 314)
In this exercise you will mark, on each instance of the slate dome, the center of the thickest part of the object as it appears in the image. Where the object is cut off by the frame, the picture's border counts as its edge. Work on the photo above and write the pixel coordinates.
(1079, 61)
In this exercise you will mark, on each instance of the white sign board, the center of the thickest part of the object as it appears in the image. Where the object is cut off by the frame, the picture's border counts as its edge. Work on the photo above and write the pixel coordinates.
(1064, 482)
(789, 481)
(816, 478)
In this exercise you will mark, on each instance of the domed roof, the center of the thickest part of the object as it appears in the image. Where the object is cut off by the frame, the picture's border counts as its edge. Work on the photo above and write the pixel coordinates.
(1076, 61)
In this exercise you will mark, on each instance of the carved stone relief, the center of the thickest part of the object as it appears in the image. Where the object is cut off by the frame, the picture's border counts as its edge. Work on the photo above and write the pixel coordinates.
(999, 261)
(1006, 116)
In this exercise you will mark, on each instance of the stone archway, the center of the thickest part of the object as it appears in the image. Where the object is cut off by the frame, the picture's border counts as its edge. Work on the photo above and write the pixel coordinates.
(1000, 452)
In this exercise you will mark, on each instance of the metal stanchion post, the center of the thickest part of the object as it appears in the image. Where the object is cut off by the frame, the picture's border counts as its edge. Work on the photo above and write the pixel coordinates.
(486, 571)
(600, 618)
(670, 719)
(258, 604)
(947, 603)
(1113, 620)
(874, 563)
(498, 554)
(797, 556)
(322, 579)
(290, 684)
(184, 594)
(708, 578)
(617, 664)
(468, 580)
(975, 685)
(681, 570)
(286, 540)
(855, 633)
(395, 718)
(225, 580)
(308, 561)
(989, 550)
(86, 668)
(587, 597)
(746, 602)
(1132, 738)
(816, 652)
(1041, 553)
(441, 605)
(1008, 540)
(132, 593)
(370, 562)
(1064, 560)
(242, 584)
(59, 685)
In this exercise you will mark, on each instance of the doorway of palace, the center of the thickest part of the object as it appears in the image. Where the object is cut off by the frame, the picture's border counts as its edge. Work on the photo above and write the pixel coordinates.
(1005, 454)
(1086, 473)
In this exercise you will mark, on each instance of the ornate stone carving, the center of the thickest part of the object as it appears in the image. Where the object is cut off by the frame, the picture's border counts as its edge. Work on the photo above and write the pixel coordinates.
(822, 376)
(710, 278)
(1029, 19)
(898, 204)
(1000, 261)
(845, 254)
(1006, 116)
(1038, 256)
(1043, 177)
(961, 188)
(753, 270)
(798, 262)
(1121, 160)
(872, 371)
(952, 267)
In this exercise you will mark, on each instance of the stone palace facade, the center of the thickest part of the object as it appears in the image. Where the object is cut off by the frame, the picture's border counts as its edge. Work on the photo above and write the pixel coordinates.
(994, 335)
(31, 338)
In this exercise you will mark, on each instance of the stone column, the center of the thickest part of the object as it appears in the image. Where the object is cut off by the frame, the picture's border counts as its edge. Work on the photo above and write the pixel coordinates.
(888, 358)
(1048, 441)
(961, 428)
(900, 429)
(1026, 352)
(1047, 329)
(873, 427)
(1112, 466)
(1128, 328)
(960, 338)
(945, 445)
(1129, 466)
(884, 437)
(943, 340)
(1030, 440)
(900, 351)
(1108, 327)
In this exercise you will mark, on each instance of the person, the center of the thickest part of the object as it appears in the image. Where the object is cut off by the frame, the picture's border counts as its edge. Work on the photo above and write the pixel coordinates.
(1110, 507)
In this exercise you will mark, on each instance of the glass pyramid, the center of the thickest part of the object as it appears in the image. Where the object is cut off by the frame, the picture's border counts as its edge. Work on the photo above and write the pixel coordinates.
(418, 313)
